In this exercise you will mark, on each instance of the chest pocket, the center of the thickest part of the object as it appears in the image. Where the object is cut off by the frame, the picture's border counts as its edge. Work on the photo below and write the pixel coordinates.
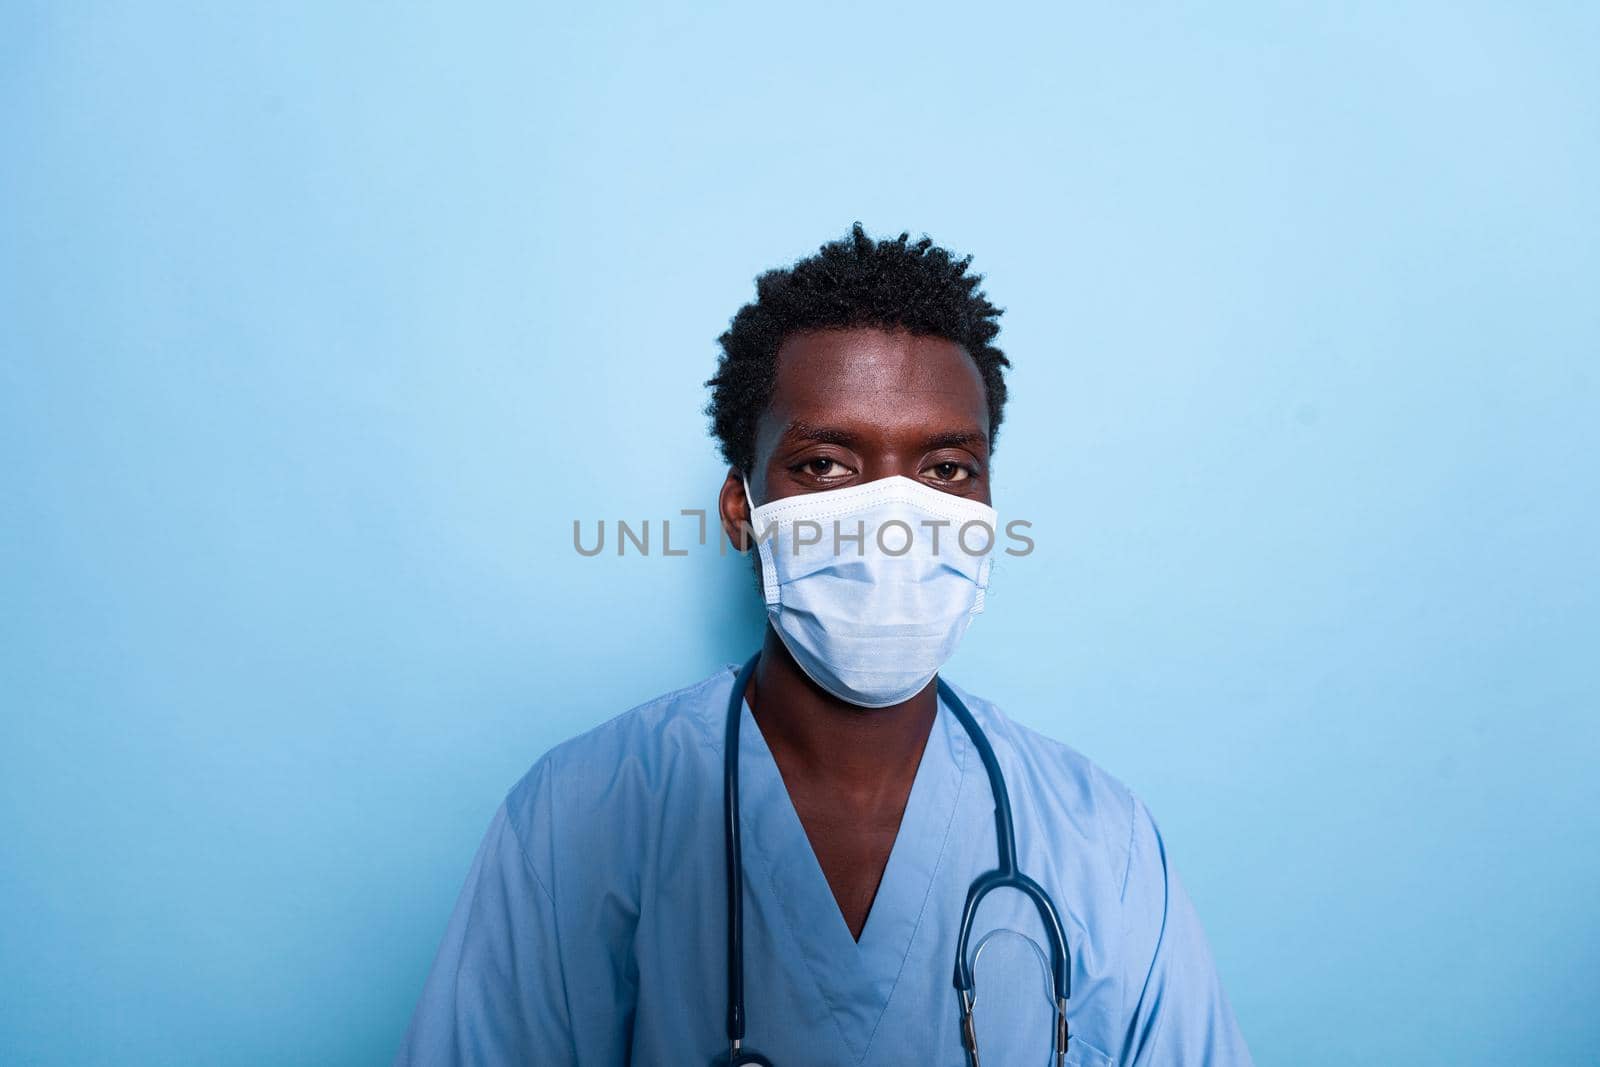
(1081, 1055)
(1014, 1005)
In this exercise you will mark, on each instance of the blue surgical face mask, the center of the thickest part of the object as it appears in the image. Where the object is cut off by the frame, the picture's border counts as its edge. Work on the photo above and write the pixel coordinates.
(871, 587)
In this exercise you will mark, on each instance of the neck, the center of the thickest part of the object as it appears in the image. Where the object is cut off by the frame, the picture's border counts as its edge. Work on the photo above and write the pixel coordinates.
(828, 739)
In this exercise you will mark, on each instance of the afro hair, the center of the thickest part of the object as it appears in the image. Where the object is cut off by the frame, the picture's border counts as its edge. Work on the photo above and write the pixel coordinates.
(853, 282)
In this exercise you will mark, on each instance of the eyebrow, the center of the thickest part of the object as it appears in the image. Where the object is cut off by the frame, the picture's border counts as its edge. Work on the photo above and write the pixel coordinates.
(955, 439)
(824, 435)
(800, 430)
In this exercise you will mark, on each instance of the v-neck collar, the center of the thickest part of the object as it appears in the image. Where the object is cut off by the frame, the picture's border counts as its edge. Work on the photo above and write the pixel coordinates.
(855, 979)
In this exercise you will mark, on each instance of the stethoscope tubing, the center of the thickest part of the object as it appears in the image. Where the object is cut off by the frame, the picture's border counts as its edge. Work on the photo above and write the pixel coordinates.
(1005, 876)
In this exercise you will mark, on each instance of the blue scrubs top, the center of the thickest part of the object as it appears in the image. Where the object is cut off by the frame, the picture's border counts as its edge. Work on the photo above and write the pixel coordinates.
(591, 930)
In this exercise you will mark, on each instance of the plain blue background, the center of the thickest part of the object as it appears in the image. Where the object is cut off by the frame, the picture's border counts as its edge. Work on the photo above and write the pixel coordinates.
(318, 329)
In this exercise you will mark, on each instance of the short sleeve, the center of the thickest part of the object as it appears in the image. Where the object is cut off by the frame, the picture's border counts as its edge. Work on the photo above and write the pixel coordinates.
(1175, 1008)
(496, 994)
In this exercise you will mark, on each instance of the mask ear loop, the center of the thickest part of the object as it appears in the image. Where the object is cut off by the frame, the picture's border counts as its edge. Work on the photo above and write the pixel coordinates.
(763, 547)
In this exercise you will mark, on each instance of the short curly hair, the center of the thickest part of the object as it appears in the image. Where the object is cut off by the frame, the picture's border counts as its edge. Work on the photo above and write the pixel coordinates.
(852, 282)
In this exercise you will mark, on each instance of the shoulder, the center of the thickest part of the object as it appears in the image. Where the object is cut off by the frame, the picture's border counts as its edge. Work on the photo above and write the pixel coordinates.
(624, 765)
(1061, 771)
(1060, 783)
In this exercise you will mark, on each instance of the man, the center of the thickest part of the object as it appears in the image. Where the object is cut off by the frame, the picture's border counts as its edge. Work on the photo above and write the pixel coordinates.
(860, 391)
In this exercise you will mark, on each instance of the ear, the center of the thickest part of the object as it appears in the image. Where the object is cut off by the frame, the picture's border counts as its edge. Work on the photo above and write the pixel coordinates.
(734, 509)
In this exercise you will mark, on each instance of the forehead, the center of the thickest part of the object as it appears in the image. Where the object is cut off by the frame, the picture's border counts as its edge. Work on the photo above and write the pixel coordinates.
(888, 383)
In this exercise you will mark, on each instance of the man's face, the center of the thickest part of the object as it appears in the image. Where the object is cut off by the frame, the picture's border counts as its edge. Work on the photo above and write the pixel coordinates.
(852, 406)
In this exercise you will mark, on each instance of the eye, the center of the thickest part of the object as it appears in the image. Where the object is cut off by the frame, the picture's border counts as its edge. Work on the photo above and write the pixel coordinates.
(950, 471)
(821, 469)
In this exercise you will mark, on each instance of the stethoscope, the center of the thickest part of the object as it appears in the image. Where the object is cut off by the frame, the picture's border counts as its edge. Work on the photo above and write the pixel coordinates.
(1005, 875)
